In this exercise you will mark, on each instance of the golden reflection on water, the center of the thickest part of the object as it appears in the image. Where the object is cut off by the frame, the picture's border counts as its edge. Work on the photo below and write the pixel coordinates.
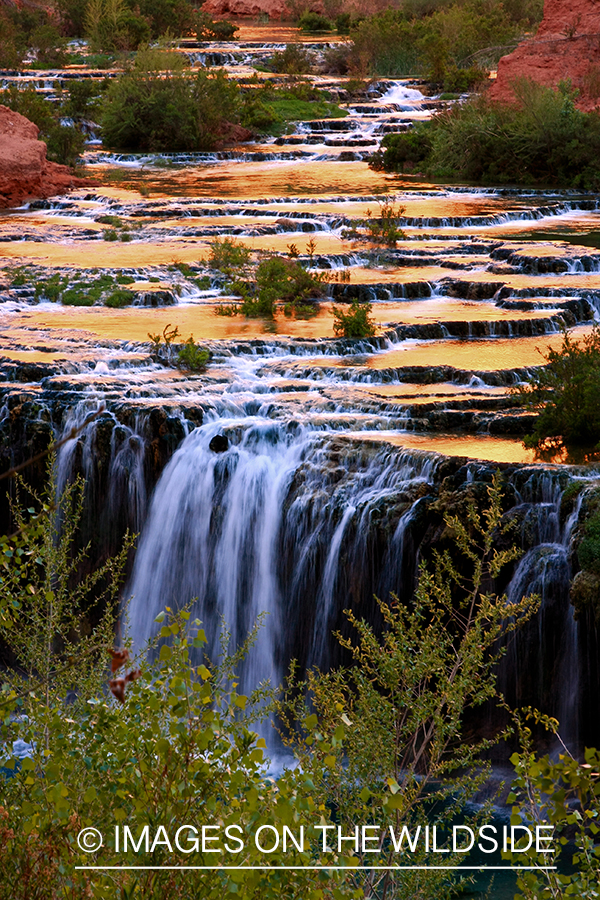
(134, 323)
(488, 354)
(495, 449)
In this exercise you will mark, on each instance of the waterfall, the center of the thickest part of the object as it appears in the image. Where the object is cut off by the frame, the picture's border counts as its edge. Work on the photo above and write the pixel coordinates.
(280, 525)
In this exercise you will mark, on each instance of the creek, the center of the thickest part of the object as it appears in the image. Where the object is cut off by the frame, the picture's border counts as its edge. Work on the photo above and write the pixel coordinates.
(342, 456)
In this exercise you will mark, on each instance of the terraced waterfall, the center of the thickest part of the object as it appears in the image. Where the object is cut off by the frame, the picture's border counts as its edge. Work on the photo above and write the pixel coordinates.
(341, 456)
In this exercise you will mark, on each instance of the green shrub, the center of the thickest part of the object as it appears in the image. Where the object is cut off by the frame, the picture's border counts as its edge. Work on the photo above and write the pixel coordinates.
(209, 29)
(76, 297)
(356, 323)
(567, 392)
(588, 551)
(109, 234)
(65, 143)
(314, 23)
(146, 109)
(118, 299)
(294, 60)
(227, 254)
(192, 356)
(541, 139)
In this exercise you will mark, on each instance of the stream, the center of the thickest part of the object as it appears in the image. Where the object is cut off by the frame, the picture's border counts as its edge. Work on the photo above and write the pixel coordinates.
(340, 454)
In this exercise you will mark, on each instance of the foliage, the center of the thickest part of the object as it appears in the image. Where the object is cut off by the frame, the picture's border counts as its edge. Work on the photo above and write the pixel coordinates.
(356, 323)
(588, 551)
(567, 393)
(209, 29)
(565, 794)
(125, 24)
(227, 254)
(169, 336)
(278, 280)
(110, 25)
(404, 150)
(386, 737)
(27, 29)
(47, 606)
(294, 60)
(119, 298)
(179, 750)
(542, 139)
(385, 227)
(65, 142)
(430, 38)
(314, 23)
(193, 356)
(150, 109)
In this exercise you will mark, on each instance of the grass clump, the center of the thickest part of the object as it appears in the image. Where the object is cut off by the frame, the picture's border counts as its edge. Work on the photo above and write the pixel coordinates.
(118, 299)
(356, 323)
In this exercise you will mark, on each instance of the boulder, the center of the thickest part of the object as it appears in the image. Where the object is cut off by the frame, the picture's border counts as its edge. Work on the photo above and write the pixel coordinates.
(566, 46)
(25, 173)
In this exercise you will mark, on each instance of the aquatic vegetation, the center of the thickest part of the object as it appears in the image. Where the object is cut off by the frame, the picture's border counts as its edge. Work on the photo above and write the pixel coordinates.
(357, 322)
(228, 254)
(193, 356)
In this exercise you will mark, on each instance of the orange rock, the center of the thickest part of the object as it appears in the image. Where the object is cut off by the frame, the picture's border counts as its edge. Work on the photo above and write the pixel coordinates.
(566, 46)
(274, 9)
(25, 173)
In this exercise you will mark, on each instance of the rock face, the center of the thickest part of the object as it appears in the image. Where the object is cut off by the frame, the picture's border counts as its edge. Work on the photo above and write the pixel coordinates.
(566, 46)
(25, 173)
(274, 9)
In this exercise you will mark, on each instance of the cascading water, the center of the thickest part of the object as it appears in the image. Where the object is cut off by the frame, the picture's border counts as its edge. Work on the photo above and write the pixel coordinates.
(266, 527)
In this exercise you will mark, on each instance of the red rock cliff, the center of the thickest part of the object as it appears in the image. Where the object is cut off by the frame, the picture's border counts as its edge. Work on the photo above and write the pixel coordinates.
(567, 45)
(25, 173)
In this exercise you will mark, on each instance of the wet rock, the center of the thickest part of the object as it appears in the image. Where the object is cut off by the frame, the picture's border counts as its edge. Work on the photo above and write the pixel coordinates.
(155, 298)
(25, 173)
(219, 443)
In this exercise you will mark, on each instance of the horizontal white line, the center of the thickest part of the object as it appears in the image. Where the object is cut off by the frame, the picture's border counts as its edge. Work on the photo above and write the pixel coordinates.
(321, 868)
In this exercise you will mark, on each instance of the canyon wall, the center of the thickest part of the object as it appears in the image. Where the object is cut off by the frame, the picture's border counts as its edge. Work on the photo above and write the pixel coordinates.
(25, 173)
(566, 46)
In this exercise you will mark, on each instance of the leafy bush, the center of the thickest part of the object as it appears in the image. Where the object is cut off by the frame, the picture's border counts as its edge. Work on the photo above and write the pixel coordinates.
(567, 392)
(227, 254)
(385, 227)
(209, 29)
(146, 109)
(314, 23)
(588, 551)
(294, 60)
(356, 323)
(427, 38)
(118, 299)
(192, 356)
(542, 139)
